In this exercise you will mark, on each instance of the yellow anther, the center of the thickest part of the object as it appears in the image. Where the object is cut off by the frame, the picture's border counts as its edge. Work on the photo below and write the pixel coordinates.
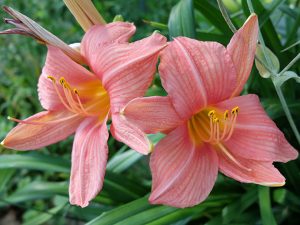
(211, 113)
(235, 110)
(51, 78)
(226, 115)
(62, 81)
(216, 120)
(75, 91)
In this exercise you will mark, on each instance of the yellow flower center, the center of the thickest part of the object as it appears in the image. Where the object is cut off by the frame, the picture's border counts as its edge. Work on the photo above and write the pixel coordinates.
(88, 99)
(213, 127)
(209, 125)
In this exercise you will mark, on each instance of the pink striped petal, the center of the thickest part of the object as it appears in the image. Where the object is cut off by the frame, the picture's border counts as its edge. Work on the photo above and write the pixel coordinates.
(127, 69)
(99, 35)
(260, 172)
(128, 133)
(60, 65)
(89, 157)
(42, 129)
(195, 74)
(183, 174)
(242, 50)
(255, 135)
(152, 114)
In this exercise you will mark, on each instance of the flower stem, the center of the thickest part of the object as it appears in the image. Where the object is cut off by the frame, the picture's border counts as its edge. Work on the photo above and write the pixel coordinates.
(226, 16)
(287, 111)
(290, 64)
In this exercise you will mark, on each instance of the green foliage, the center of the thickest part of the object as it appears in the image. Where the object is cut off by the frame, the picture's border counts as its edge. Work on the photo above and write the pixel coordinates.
(34, 185)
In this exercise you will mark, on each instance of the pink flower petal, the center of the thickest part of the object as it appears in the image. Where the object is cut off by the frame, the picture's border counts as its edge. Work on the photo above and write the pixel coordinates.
(46, 128)
(152, 114)
(262, 172)
(99, 35)
(128, 133)
(242, 50)
(195, 74)
(60, 65)
(127, 69)
(183, 174)
(255, 135)
(89, 157)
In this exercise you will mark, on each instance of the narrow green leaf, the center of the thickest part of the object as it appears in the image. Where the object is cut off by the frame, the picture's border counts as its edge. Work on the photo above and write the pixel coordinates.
(37, 190)
(121, 162)
(208, 36)
(5, 176)
(156, 25)
(140, 212)
(35, 161)
(265, 206)
(42, 218)
(122, 212)
(181, 20)
(230, 212)
(213, 14)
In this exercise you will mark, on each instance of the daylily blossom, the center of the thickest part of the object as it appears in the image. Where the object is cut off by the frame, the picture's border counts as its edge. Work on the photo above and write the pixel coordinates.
(209, 127)
(78, 100)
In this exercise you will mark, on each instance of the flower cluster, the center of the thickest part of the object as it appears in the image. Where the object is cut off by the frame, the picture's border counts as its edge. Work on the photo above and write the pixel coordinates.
(208, 126)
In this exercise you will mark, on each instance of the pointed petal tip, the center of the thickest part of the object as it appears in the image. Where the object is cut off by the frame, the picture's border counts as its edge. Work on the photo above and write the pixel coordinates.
(253, 17)
(280, 184)
(2, 143)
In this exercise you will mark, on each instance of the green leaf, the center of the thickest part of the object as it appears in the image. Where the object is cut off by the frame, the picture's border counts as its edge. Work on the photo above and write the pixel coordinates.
(38, 190)
(208, 36)
(261, 53)
(286, 197)
(140, 212)
(120, 162)
(122, 212)
(36, 161)
(214, 16)
(182, 20)
(42, 218)
(265, 206)
(156, 25)
(233, 210)
(5, 176)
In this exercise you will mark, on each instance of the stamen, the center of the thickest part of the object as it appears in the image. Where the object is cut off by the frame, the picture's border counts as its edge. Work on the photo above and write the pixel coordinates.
(211, 113)
(226, 114)
(52, 79)
(69, 98)
(58, 93)
(25, 122)
(234, 113)
(40, 123)
(217, 125)
(231, 157)
(235, 110)
(79, 102)
(230, 132)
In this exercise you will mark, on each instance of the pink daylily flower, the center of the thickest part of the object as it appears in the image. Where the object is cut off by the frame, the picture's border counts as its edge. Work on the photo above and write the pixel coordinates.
(209, 127)
(78, 100)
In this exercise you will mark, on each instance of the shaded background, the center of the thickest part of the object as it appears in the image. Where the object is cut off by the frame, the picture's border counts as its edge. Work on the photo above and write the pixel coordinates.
(33, 185)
